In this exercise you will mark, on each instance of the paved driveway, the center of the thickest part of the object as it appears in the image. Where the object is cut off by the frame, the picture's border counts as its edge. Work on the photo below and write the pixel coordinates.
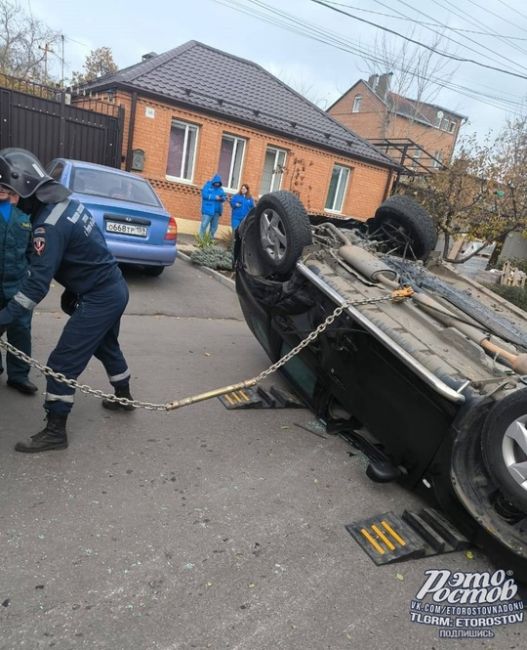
(202, 528)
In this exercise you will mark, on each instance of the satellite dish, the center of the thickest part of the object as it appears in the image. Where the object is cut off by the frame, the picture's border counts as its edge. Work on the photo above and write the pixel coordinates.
(440, 114)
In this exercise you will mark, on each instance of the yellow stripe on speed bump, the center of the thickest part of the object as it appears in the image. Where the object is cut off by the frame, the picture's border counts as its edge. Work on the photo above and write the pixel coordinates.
(372, 541)
(383, 537)
(392, 532)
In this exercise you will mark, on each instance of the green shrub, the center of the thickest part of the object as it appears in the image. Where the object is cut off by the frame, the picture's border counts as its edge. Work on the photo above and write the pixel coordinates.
(516, 295)
(215, 257)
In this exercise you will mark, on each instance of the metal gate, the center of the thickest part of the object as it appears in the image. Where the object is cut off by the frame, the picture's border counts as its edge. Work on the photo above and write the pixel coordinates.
(47, 125)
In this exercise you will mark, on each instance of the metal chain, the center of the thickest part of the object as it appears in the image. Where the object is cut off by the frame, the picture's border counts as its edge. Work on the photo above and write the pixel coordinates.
(150, 406)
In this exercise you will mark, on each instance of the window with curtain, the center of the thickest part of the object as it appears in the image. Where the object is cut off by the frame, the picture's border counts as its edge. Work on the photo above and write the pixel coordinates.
(231, 160)
(182, 150)
(274, 166)
(337, 188)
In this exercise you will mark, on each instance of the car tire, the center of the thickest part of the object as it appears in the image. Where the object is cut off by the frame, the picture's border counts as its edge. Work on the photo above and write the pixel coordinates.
(284, 230)
(402, 223)
(153, 271)
(504, 447)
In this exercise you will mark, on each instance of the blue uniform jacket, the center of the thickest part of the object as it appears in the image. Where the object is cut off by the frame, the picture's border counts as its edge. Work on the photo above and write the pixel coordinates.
(209, 197)
(241, 206)
(67, 246)
(15, 241)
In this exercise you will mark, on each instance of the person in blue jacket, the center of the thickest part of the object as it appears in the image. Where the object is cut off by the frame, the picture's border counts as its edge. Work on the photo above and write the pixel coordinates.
(67, 246)
(212, 198)
(15, 240)
(241, 204)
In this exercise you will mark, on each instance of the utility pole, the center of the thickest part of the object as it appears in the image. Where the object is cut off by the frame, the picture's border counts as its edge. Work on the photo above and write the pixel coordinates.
(47, 50)
(62, 61)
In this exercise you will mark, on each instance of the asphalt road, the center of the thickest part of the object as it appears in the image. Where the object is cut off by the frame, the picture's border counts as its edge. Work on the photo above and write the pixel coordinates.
(202, 528)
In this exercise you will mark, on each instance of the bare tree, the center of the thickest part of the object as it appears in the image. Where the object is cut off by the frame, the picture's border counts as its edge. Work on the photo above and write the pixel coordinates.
(25, 43)
(417, 73)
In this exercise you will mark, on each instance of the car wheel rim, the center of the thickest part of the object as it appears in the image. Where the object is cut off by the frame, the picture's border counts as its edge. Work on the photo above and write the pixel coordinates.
(514, 450)
(272, 235)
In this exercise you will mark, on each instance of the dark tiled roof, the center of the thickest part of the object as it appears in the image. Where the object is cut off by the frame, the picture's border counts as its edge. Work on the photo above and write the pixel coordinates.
(208, 79)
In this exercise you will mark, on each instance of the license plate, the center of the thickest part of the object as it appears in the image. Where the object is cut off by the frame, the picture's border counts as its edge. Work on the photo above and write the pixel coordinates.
(126, 229)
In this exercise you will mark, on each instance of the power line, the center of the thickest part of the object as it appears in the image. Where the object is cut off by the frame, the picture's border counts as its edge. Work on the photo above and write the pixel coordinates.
(452, 40)
(423, 45)
(424, 24)
(513, 9)
(474, 21)
(294, 25)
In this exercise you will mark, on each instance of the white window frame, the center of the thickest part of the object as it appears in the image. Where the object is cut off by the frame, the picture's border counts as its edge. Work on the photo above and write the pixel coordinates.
(341, 168)
(356, 104)
(274, 174)
(237, 140)
(187, 126)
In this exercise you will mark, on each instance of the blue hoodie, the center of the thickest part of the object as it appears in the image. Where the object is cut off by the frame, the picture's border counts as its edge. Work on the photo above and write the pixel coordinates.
(209, 195)
(241, 206)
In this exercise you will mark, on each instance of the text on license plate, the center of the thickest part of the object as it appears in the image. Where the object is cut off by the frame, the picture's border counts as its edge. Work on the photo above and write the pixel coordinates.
(126, 229)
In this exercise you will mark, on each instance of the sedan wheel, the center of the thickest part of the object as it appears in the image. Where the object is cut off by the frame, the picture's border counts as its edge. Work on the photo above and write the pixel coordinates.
(272, 235)
(283, 231)
(504, 447)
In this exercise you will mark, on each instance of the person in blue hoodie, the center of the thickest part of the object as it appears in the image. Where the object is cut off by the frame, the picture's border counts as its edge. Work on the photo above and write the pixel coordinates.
(212, 199)
(241, 204)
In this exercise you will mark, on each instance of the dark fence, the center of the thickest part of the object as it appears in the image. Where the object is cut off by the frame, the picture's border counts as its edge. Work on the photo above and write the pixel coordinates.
(41, 120)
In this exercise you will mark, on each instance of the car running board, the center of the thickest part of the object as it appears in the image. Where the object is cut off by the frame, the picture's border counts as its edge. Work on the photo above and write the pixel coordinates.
(380, 468)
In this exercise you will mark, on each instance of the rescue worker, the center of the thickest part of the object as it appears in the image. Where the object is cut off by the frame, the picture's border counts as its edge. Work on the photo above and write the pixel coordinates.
(67, 246)
(15, 238)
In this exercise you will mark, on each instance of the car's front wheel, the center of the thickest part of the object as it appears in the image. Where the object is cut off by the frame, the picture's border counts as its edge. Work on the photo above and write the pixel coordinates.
(284, 230)
(504, 447)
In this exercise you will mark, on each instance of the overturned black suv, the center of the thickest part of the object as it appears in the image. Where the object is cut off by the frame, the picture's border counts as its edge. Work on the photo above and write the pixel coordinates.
(432, 388)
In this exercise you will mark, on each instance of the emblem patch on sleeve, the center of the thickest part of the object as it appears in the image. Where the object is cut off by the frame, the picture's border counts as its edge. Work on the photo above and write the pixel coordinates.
(39, 244)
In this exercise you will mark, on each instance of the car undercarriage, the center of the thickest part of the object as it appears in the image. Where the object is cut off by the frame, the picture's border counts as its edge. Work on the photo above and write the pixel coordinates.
(430, 388)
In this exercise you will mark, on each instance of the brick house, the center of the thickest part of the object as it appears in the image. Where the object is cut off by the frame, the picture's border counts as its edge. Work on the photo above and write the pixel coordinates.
(195, 110)
(377, 114)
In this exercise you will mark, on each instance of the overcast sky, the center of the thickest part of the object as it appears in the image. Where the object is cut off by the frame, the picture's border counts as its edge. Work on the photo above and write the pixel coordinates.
(316, 49)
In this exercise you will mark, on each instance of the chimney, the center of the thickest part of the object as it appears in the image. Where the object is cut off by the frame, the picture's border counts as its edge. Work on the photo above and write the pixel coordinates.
(383, 86)
(373, 81)
(148, 56)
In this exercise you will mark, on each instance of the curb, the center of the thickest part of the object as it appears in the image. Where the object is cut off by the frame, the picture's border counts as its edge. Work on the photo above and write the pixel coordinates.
(230, 284)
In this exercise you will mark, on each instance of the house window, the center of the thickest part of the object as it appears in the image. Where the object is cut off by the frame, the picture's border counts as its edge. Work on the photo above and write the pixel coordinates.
(182, 150)
(356, 104)
(274, 166)
(231, 159)
(438, 159)
(337, 188)
(445, 124)
(452, 127)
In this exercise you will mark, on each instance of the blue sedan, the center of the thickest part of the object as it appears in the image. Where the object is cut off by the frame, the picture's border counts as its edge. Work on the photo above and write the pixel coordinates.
(137, 228)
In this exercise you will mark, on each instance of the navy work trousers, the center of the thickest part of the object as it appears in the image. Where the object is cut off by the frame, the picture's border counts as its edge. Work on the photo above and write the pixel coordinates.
(18, 334)
(92, 330)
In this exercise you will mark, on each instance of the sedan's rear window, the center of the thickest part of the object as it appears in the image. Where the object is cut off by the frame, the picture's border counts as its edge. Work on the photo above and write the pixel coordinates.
(116, 186)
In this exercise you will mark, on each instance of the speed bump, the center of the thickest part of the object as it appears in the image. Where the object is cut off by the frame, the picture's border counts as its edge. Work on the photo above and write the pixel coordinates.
(389, 538)
(259, 398)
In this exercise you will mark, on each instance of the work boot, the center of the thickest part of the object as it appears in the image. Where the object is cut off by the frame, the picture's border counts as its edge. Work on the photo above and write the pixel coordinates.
(120, 391)
(52, 436)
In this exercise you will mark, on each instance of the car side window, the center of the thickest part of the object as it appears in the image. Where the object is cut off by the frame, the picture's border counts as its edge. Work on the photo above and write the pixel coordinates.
(56, 171)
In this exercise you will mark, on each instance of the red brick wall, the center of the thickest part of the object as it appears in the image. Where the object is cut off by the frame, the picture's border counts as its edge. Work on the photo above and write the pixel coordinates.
(308, 169)
(372, 121)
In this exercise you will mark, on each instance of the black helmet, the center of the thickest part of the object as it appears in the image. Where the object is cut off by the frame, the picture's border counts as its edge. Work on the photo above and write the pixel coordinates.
(21, 171)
